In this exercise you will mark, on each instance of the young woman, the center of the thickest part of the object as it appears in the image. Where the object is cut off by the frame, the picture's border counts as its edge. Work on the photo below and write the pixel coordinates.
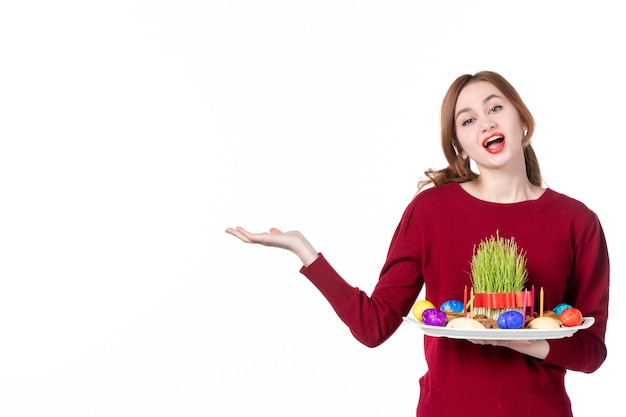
(483, 120)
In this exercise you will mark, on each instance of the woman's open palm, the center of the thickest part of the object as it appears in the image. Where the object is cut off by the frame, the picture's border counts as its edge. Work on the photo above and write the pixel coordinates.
(275, 238)
(292, 240)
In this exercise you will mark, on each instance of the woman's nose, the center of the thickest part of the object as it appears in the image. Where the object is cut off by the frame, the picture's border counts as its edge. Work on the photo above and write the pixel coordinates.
(488, 124)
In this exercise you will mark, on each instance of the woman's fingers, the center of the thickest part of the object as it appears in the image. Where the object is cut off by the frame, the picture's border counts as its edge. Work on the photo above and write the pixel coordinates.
(244, 235)
(237, 233)
(272, 238)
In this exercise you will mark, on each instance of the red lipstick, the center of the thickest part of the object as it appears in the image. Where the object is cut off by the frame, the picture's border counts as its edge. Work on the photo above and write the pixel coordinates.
(494, 143)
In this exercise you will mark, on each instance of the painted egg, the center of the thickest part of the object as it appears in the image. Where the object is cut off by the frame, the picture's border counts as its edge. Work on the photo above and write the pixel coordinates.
(452, 306)
(434, 317)
(511, 319)
(559, 308)
(419, 307)
(571, 317)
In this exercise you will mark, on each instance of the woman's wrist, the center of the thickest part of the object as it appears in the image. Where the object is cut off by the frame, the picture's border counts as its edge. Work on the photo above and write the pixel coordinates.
(306, 252)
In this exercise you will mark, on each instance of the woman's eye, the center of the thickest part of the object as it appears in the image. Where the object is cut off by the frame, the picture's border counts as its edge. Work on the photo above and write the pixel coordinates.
(468, 122)
(496, 108)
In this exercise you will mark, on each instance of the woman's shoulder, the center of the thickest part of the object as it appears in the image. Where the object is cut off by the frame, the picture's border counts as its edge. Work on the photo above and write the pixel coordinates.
(437, 192)
(434, 199)
(568, 207)
(565, 200)
(439, 196)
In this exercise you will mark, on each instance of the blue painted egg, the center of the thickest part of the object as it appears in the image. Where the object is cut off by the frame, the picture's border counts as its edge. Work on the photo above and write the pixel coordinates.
(434, 317)
(559, 308)
(452, 306)
(511, 319)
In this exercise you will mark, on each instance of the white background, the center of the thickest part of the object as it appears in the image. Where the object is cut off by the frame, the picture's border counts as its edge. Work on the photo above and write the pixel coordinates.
(132, 133)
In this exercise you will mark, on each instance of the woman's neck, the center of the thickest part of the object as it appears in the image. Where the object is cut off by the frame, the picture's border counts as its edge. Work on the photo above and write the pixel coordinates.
(502, 189)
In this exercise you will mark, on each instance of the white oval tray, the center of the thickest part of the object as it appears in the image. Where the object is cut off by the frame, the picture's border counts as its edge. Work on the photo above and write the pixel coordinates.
(500, 334)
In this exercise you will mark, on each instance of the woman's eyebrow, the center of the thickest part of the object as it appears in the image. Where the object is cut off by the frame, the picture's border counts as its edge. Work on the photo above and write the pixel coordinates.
(485, 100)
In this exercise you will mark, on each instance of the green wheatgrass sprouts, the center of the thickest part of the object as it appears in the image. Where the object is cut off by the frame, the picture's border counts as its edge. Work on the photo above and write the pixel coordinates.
(498, 265)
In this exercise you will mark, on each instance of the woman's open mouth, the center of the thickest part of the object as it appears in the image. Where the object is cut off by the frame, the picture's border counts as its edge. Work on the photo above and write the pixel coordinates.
(494, 143)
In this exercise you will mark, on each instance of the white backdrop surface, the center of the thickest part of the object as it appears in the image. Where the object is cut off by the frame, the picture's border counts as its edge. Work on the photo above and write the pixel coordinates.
(134, 132)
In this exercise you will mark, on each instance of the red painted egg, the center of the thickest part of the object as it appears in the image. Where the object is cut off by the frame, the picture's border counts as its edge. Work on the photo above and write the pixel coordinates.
(571, 317)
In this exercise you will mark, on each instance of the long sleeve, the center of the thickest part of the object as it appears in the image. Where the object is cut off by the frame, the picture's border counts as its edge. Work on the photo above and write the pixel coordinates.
(371, 319)
(588, 290)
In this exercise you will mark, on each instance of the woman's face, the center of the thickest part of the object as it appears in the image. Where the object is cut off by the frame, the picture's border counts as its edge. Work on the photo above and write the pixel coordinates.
(488, 126)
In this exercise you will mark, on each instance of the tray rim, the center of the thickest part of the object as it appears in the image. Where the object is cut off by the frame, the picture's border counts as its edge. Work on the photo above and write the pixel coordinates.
(500, 334)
